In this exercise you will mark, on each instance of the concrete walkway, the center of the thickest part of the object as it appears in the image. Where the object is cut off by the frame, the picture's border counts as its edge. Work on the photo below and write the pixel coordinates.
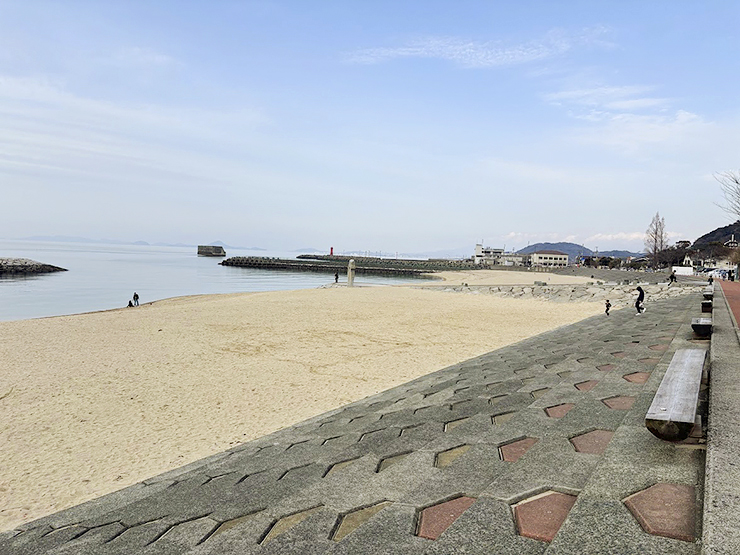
(539, 447)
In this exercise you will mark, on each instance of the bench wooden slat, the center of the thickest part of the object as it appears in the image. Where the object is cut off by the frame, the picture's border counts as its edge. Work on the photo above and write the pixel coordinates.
(673, 411)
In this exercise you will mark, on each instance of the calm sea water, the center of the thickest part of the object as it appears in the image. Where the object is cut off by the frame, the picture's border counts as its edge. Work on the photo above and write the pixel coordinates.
(103, 277)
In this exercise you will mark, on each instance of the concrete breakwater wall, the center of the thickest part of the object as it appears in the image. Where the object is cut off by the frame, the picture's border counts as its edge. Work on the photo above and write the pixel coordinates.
(620, 296)
(320, 267)
(21, 266)
(375, 262)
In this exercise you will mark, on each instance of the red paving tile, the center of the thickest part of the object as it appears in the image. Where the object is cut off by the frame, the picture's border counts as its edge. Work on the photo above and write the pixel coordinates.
(622, 402)
(659, 347)
(541, 517)
(665, 510)
(619, 354)
(558, 411)
(731, 289)
(594, 442)
(512, 452)
(637, 377)
(606, 367)
(437, 518)
(586, 386)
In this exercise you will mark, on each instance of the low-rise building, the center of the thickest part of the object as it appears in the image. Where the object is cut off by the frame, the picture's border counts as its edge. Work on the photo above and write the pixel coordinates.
(549, 259)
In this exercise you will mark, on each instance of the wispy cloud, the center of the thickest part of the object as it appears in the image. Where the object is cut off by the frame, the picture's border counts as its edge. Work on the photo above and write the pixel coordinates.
(479, 54)
(144, 57)
(603, 102)
(618, 236)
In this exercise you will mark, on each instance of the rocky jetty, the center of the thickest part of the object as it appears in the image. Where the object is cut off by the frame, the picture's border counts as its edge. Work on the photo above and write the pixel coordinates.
(15, 266)
(311, 265)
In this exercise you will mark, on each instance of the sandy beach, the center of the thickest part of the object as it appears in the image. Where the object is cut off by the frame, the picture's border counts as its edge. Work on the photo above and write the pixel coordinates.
(95, 402)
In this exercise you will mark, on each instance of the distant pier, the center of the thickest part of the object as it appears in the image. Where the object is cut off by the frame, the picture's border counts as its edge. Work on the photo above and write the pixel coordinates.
(210, 250)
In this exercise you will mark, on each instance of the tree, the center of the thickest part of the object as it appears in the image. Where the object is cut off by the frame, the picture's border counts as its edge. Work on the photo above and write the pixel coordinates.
(656, 239)
(730, 183)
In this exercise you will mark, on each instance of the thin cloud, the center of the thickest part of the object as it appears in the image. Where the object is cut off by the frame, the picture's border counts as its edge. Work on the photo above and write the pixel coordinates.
(477, 54)
(619, 236)
(144, 57)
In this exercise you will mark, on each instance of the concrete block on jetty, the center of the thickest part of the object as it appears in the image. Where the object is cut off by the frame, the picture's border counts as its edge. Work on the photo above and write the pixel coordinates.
(21, 266)
(211, 250)
(325, 266)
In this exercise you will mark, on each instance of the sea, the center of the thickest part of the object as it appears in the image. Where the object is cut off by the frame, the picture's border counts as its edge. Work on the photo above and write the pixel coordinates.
(105, 276)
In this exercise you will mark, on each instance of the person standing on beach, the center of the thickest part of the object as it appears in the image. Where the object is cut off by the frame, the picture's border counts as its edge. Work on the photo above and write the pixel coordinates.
(640, 300)
(608, 306)
(136, 299)
(336, 277)
(672, 278)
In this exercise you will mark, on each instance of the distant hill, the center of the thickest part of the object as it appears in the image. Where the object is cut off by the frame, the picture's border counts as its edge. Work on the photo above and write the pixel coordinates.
(622, 254)
(573, 250)
(721, 234)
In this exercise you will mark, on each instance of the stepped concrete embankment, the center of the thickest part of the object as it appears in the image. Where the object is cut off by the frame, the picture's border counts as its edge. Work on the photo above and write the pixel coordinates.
(26, 266)
(619, 295)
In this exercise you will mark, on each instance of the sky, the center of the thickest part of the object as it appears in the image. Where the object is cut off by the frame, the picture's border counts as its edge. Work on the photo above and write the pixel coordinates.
(394, 126)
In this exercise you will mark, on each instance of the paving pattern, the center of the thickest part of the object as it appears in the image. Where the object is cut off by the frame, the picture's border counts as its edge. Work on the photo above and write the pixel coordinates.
(539, 447)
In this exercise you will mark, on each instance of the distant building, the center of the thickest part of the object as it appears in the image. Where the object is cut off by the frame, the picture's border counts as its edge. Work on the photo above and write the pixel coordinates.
(488, 256)
(731, 243)
(549, 259)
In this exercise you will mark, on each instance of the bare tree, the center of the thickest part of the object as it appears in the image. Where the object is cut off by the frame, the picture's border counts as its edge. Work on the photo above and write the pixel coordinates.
(656, 239)
(730, 183)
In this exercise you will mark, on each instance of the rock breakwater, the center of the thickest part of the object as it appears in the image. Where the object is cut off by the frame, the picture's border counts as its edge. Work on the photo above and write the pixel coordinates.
(21, 266)
(620, 296)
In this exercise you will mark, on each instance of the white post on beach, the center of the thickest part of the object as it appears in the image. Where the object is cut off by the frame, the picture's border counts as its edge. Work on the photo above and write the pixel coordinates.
(351, 273)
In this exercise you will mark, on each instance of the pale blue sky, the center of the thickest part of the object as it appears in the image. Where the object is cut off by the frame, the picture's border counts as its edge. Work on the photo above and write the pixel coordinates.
(385, 125)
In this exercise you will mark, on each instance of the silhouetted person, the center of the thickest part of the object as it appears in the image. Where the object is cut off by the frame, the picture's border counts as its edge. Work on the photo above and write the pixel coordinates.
(130, 304)
(710, 280)
(608, 306)
(672, 278)
(336, 277)
(136, 299)
(640, 299)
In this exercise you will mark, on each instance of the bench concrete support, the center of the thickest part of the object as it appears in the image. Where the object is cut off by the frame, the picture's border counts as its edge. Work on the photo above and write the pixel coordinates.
(702, 327)
(673, 412)
(706, 306)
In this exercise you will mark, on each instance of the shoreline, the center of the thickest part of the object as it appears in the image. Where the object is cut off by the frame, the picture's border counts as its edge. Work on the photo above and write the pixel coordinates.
(98, 401)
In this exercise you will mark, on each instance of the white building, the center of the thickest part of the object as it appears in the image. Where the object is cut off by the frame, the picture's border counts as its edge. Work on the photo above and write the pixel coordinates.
(550, 259)
(490, 257)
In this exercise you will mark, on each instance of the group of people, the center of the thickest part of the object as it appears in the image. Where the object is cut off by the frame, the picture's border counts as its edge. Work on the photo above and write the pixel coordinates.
(135, 300)
(639, 303)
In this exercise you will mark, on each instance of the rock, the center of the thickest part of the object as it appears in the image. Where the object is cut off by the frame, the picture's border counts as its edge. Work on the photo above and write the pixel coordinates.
(21, 266)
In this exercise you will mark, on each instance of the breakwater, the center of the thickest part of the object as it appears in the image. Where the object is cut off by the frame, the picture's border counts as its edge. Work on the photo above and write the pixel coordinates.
(620, 295)
(25, 266)
(430, 265)
(337, 265)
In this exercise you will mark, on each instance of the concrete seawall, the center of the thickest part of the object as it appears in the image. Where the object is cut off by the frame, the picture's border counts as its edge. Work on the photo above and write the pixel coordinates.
(321, 267)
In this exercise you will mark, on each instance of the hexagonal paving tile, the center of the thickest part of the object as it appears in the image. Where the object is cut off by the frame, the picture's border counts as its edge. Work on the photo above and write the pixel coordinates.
(286, 523)
(606, 367)
(351, 521)
(512, 452)
(593, 442)
(452, 424)
(498, 419)
(637, 377)
(434, 520)
(622, 402)
(665, 510)
(446, 458)
(619, 354)
(390, 461)
(558, 411)
(537, 393)
(649, 360)
(586, 386)
(659, 347)
(541, 517)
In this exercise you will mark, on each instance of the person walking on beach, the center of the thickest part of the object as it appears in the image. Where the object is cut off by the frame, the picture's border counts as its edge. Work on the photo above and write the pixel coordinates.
(672, 278)
(639, 302)
(136, 299)
(608, 306)
(336, 277)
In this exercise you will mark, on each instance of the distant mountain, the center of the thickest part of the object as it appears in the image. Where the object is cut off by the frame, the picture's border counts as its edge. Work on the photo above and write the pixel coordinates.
(225, 246)
(573, 250)
(622, 254)
(719, 235)
(309, 250)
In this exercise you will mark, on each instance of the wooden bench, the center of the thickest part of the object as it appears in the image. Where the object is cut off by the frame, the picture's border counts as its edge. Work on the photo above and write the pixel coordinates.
(702, 326)
(673, 412)
(706, 306)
